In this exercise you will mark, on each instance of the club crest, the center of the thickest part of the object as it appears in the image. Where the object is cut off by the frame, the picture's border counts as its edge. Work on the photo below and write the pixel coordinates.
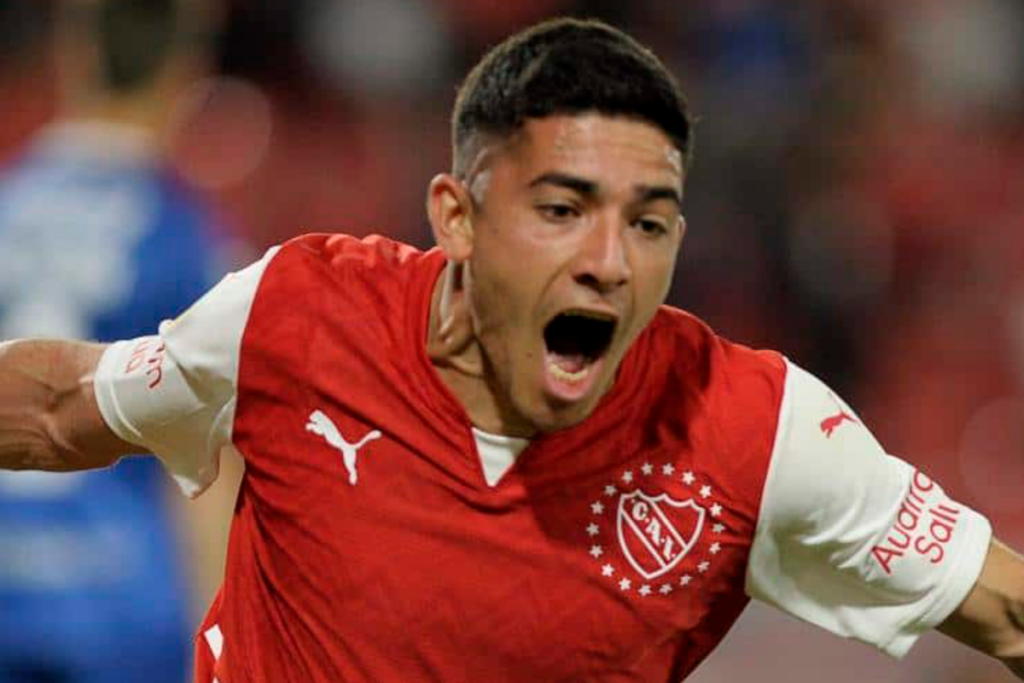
(656, 529)
(656, 532)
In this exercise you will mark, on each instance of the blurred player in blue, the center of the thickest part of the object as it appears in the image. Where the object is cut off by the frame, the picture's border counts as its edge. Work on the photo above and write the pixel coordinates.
(99, 240)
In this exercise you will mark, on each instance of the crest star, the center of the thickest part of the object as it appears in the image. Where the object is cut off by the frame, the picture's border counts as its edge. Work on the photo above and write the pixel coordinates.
(703, 567)
(593, 530)
(666, 589)
(667, 469)
(596, 551)
(607, 570)
(597, 507)
(685, 580)
(647, 468)
(705, 491)
(716, 510)
(688, 477)
(715, 548)
(645, 590)
(718, 528)
(610, 490)
(627, 476)
(625, 584)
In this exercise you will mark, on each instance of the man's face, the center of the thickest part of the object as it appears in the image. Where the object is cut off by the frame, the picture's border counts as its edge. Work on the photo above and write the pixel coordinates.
(575, 231)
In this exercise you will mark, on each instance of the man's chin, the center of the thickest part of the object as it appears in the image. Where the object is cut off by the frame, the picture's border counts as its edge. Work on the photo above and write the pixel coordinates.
(555, 418)
(554, 413)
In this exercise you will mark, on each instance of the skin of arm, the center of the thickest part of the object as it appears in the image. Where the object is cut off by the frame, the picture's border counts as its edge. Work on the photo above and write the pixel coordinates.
(991, 618)
(49, 419)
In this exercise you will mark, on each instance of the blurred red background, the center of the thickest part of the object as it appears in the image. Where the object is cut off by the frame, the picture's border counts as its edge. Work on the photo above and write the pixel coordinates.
(857, 201)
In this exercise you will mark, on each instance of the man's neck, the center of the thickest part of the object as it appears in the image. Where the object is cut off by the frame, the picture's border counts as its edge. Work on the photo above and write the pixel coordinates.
(461, 364)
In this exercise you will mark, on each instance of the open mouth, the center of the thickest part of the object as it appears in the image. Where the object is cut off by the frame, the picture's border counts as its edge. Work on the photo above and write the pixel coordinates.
(575, 341)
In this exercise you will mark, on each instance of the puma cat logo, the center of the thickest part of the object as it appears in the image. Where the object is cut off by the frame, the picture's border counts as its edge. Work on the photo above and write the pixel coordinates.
(831, 423)
(321, 425)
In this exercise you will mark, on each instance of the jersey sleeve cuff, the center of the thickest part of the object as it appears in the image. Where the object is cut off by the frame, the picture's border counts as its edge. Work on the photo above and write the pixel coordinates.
(103, 388)
(962, 578)
(189, 455)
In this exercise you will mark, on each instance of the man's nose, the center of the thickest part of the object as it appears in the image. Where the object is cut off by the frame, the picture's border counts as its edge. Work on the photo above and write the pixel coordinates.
(603, 262)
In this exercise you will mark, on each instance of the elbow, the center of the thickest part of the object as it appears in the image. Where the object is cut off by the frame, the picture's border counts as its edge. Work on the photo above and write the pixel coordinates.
(48, 417)
(991, 618)
(1010, 647)
(36, 442)
(29, 446)
(60, 452)
(1016, 665)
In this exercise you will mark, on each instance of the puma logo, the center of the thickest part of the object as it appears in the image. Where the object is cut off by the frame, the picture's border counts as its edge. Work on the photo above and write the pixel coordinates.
(831, 423)
(321, 425)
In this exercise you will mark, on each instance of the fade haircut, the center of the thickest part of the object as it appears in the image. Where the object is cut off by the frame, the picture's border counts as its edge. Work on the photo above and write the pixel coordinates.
(565, 66)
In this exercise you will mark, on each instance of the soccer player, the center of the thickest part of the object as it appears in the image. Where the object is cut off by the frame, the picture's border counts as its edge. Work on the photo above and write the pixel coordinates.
(98, 239)
(504, 459)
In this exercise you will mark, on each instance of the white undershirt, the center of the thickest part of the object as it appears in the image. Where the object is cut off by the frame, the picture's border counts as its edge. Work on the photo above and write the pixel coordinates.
(497, 453)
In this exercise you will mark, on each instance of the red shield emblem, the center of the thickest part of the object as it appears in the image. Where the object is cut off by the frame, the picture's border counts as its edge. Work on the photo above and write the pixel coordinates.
(655, 533)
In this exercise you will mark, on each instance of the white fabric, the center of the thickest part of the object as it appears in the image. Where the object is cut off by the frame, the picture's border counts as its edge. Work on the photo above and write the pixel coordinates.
(174, 394)
(852, 539)
(497, 453)
(215, 639)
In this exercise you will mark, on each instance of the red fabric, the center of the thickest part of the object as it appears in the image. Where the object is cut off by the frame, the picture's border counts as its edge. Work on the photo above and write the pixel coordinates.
(420, 571)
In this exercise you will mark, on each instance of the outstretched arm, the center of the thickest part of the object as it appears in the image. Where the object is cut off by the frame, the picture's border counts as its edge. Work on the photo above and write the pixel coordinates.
(991, 618)
(49, 419)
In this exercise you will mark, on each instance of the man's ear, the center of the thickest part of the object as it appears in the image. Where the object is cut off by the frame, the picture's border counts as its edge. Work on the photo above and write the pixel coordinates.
(450, 210)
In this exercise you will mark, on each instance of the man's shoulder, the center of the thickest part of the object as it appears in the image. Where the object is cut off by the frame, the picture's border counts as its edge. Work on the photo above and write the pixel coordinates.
(340, 250)
(722, 381)
(688, 338)
(721, 399)
(315, 264)
(358, 290)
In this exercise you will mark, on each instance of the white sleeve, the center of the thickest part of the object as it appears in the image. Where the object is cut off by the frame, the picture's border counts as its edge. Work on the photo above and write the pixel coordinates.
(174, 393)
(852, 539)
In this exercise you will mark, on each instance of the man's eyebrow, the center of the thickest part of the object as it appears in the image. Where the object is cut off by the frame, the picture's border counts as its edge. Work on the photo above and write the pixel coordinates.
(571, 182)
(589, 188)
(653, 194)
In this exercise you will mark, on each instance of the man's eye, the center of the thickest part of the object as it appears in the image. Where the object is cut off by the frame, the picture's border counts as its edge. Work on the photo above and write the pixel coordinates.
(650, 227)
(557, 212)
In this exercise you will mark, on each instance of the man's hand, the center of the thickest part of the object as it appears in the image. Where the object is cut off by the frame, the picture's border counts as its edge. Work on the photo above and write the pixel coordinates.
(49, 419)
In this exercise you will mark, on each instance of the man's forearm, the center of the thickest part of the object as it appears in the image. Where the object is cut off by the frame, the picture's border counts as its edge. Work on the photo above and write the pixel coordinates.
(991, 618)
(48, 415)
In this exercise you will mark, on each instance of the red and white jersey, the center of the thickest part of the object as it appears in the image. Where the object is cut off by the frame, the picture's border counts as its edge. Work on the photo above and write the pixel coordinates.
(372, 542)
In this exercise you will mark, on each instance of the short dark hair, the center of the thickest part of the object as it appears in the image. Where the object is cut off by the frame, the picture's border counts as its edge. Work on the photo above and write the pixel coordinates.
(134, 38)
(566, 66)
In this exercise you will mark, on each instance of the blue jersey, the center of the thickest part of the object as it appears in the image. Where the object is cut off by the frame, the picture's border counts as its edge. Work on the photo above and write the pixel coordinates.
(97, 241)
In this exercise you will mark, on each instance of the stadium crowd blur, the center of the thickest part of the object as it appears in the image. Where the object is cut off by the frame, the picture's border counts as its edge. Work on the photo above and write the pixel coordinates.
(857, 199)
